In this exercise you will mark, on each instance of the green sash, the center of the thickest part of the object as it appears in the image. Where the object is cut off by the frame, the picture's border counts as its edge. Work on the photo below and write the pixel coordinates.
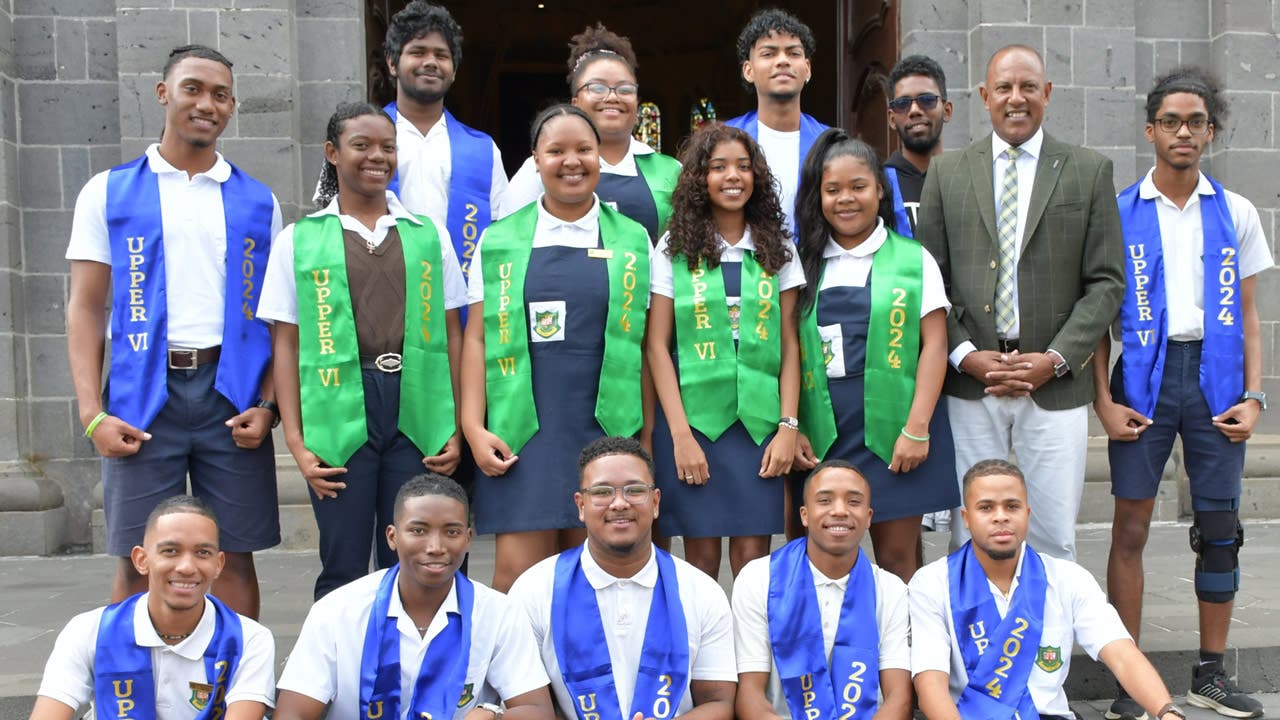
(508, 245)
(719, 385)
(333, 416)
(661, 172)
(817, 417)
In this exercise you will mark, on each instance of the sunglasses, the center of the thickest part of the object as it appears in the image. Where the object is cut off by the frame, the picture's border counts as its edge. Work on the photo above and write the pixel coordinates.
(902, 105)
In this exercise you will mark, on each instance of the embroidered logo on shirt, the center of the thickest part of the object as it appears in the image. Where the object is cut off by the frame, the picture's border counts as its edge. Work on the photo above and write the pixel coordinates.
(467, 695)
(547, 320)
(735, 314)
(1049, 659)
(200, 694)
(832, 349)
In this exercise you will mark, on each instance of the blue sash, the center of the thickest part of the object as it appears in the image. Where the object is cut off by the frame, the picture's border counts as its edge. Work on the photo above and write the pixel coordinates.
(124, 681)
(901, 219)
(795, 632)
(444, 669)
(470, 182)
(810, 129)
(583, 654)
(998, 653)
(1144, 322)
(139, 311)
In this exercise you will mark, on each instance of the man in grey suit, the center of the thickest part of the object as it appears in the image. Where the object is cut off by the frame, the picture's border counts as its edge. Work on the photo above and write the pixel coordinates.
(1027, 234)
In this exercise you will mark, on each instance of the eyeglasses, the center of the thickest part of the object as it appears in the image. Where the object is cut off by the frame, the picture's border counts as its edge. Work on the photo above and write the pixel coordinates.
(603, 495)
(600, 91)
(1198, 125)
(902, 105)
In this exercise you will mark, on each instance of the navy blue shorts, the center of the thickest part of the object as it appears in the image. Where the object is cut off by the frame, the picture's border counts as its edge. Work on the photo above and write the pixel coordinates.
(188, 437)
(1214, 463)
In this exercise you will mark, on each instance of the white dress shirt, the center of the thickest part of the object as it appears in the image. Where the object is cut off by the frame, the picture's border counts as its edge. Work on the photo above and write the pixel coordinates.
(852, 268)
(425, 168)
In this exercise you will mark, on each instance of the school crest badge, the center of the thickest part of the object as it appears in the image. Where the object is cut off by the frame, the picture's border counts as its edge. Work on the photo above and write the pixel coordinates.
(735, 314)
(467, 695)
(548, 324)
(1049, 659)
(827, 354)
(200, 694)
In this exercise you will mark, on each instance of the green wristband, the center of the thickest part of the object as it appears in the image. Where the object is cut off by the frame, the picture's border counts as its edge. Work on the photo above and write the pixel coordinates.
(917, 438)
(93, 424)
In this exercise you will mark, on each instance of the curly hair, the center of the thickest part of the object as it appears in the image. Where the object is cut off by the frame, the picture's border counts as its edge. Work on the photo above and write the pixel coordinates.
(918, 65)
(327, 188)
(1189, 79)
(606, 446)
(416, 20)
(597, 43)
(692, 229)
(813, 224)
(774, 20)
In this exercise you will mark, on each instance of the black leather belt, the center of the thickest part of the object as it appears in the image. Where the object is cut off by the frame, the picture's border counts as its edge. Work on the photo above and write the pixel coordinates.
(1007, 346)
(386, 362)
(190, 358)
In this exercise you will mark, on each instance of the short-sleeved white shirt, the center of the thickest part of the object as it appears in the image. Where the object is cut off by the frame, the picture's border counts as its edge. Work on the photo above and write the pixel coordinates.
(279, 301)
(1075, 610)
(782, 152)
(325, 662)
(751, 622)
(425, 168)
(661, 281)
(68, 676)
(852, 268)
(1182, 242)
(624, 611)
(526, 184)
(195, 244)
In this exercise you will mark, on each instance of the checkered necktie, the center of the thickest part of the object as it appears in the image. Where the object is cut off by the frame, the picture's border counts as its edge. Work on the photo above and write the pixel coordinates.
(1007, 234)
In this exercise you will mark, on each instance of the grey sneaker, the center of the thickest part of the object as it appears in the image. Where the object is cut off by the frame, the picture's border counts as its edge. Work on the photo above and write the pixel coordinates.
(1213, 690)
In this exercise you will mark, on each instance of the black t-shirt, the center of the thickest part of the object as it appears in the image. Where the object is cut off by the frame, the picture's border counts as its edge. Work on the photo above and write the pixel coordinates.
(910, 181)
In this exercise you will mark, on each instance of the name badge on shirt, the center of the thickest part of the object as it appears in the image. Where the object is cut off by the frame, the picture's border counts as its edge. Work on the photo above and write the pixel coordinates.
(601, 253)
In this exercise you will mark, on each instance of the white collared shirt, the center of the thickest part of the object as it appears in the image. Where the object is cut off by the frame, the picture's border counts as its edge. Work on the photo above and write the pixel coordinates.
(526, 184)
(279, 301)
(1075, 609)
(195, 244)
(68, 675)
(550, 231)
(751, 622)
(852, 268)
(425, 168)
(325, 662)
(1182, 243)
(661, 280)
(624, 613)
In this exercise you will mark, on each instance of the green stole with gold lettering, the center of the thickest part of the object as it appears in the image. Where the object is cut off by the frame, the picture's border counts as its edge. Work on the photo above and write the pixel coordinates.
(718, 383)
(329, 379)
(893, 353)
(507, 247)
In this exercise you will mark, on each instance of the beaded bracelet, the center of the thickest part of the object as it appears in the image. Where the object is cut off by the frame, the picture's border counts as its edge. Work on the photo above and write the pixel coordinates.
(917, 438)
(93, 424)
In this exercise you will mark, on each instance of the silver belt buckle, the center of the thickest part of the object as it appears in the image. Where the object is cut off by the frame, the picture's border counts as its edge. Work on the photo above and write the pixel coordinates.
(183, 359)
(388, 362)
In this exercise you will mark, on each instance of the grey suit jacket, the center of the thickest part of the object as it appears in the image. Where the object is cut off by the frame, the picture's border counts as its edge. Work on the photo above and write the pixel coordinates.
(1070, 273)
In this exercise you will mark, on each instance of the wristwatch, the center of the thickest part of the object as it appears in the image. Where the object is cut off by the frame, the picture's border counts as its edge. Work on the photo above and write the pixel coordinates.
(789, 423)
(1260, 396)
(1171, 709)
(1060, 365)
(275, 410)
(497, 710)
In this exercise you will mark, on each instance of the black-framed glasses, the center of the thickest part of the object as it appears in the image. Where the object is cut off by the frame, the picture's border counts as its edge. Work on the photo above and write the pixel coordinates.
(599, 90)
(1198, 125)
(603, 495)
(902, 105)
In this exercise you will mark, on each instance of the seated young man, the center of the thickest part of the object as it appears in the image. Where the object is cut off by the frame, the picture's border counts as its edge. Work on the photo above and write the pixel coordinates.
(626, 630)
(209, 661)
(817, 627)
(992, 624)
(420, 639)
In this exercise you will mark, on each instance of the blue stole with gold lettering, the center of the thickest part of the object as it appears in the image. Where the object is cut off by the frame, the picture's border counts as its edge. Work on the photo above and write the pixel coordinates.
(901, 221)
(470, 182)
(1144, 323)
(444, 668)
(998, 653)
(810, 129)
(795, 632)
(139, 309)
(583, 654)
(123, 678)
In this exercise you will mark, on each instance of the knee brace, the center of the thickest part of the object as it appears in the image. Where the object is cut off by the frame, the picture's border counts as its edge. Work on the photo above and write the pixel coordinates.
(1216, 537)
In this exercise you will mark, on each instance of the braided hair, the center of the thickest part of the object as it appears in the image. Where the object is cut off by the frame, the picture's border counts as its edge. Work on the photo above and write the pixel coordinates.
(327, 188)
